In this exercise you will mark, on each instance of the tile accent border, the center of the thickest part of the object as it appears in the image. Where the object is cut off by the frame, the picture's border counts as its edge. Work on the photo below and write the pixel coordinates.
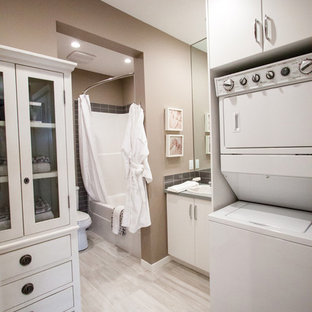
(173, 179)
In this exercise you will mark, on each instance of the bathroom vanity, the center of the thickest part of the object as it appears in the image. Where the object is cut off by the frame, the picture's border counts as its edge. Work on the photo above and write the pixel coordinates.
(39, 267)
(188, 228)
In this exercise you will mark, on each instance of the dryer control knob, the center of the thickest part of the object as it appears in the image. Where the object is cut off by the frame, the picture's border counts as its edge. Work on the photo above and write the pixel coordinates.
(243, 81)
(255, 78)
(305, 66)
(228, 84)
(270, 74)
(285, 71)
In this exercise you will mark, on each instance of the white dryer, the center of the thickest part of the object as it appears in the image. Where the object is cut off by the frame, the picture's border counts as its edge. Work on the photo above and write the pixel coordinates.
(262, 259)
(261, 246)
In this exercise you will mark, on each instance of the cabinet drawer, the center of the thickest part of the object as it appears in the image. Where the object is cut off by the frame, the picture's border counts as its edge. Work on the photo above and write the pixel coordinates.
(41, 254)
(59, 302)
(43, 282)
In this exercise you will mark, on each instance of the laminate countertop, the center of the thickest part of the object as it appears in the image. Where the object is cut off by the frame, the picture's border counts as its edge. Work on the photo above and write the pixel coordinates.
(190, 194)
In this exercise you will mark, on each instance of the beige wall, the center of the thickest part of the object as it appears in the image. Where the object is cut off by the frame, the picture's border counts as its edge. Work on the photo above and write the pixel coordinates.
(128, 90)
(200, 105)
(119, 92)
(31, 25)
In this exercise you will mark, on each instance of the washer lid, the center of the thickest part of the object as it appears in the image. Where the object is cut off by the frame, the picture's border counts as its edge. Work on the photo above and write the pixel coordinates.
(275, 218)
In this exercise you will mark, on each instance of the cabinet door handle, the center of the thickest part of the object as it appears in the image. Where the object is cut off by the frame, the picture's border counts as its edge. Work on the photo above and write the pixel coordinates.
(190, 211)
(266, 28)
(27, 288)
(195, 212)
(256, 30)
(25, 260)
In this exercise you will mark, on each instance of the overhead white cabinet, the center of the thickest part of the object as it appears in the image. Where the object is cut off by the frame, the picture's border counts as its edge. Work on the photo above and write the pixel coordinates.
(38, 229)
(235, 30)
(286, 22)
(242, 28)
(188, 232)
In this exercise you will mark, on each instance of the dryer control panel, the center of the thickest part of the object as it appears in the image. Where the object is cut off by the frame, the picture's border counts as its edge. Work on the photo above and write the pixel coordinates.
(285, 72)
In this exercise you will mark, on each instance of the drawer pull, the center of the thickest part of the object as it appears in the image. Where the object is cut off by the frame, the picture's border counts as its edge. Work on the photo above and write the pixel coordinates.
(25, 260)
(27, 288)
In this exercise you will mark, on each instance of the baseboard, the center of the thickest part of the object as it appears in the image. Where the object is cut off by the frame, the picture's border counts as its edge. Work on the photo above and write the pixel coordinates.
(155, 266)
(192, 267)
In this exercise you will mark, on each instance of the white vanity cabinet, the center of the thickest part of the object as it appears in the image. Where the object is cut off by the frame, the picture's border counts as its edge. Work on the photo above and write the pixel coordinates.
(38, 228)
(187, 222)
(242, 28)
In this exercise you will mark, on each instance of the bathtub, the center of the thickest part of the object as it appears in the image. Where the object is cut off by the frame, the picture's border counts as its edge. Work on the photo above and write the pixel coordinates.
(101, 225)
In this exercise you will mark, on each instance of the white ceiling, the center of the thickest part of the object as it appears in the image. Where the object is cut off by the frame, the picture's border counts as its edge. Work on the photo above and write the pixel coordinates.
(106, 61)
(182, 19)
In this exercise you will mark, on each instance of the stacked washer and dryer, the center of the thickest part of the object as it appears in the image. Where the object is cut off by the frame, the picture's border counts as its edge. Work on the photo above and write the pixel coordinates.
(261, 245)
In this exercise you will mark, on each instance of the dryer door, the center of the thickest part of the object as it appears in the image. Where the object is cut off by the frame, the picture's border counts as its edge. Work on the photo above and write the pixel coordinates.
(274, 118)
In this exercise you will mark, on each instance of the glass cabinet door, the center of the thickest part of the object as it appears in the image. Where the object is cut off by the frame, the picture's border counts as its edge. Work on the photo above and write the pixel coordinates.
(43, 149)
(11, 225)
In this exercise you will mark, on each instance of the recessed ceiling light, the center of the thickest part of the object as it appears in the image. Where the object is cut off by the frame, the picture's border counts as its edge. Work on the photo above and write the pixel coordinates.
(127, 60)
(75, 44)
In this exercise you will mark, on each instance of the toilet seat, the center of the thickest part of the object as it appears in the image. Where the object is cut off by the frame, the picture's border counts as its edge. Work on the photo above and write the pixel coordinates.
(83, 219)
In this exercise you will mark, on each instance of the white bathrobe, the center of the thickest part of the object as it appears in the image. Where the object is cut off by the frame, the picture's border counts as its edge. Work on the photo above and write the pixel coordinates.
(135, 153)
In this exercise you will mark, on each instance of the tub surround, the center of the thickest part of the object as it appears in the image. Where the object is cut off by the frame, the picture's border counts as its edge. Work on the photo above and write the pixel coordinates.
(101, 225)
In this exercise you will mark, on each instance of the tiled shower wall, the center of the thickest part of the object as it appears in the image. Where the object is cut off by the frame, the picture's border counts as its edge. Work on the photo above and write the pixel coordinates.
(102, 108)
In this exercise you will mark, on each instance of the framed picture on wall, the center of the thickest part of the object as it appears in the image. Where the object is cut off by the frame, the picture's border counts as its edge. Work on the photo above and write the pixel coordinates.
(174, 119)
(174, 145)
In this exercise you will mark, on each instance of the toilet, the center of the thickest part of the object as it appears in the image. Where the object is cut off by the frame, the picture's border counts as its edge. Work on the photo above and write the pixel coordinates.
(83, 221)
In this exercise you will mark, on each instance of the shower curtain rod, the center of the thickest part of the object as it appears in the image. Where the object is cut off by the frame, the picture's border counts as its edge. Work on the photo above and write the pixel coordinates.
(106, 80)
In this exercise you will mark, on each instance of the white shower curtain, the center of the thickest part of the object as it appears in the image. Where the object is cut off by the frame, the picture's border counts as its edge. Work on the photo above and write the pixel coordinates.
(89, 163)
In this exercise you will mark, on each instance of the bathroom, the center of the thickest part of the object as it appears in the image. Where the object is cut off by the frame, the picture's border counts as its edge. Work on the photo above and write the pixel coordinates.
(163, 79)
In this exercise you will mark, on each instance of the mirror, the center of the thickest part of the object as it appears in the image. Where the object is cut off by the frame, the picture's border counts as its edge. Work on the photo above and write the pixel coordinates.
(201, 114)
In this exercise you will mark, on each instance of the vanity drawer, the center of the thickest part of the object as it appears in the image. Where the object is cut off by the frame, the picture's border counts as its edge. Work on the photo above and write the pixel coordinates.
(28, 288)
(33, 257)
(59, 302)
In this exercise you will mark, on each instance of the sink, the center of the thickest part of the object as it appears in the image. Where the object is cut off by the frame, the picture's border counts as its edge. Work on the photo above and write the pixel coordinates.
(202, 189)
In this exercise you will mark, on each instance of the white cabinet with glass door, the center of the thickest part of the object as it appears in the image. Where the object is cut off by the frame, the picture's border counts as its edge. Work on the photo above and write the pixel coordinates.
(11, 223)
(38, 228)
(43, 149)
(33, 151)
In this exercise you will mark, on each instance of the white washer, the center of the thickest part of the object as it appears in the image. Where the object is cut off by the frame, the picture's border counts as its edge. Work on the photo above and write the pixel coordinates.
(260, 259)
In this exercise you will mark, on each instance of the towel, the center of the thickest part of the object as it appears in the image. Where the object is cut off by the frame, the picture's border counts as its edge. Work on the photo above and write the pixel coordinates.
(182, 187)
(116, 221)
(41, 206)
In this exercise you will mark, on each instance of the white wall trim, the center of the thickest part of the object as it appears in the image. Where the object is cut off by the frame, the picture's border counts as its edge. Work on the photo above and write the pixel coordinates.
(157, 265)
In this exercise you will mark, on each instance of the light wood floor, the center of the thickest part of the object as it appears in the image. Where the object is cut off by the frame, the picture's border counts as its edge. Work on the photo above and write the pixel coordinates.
(114, 281)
